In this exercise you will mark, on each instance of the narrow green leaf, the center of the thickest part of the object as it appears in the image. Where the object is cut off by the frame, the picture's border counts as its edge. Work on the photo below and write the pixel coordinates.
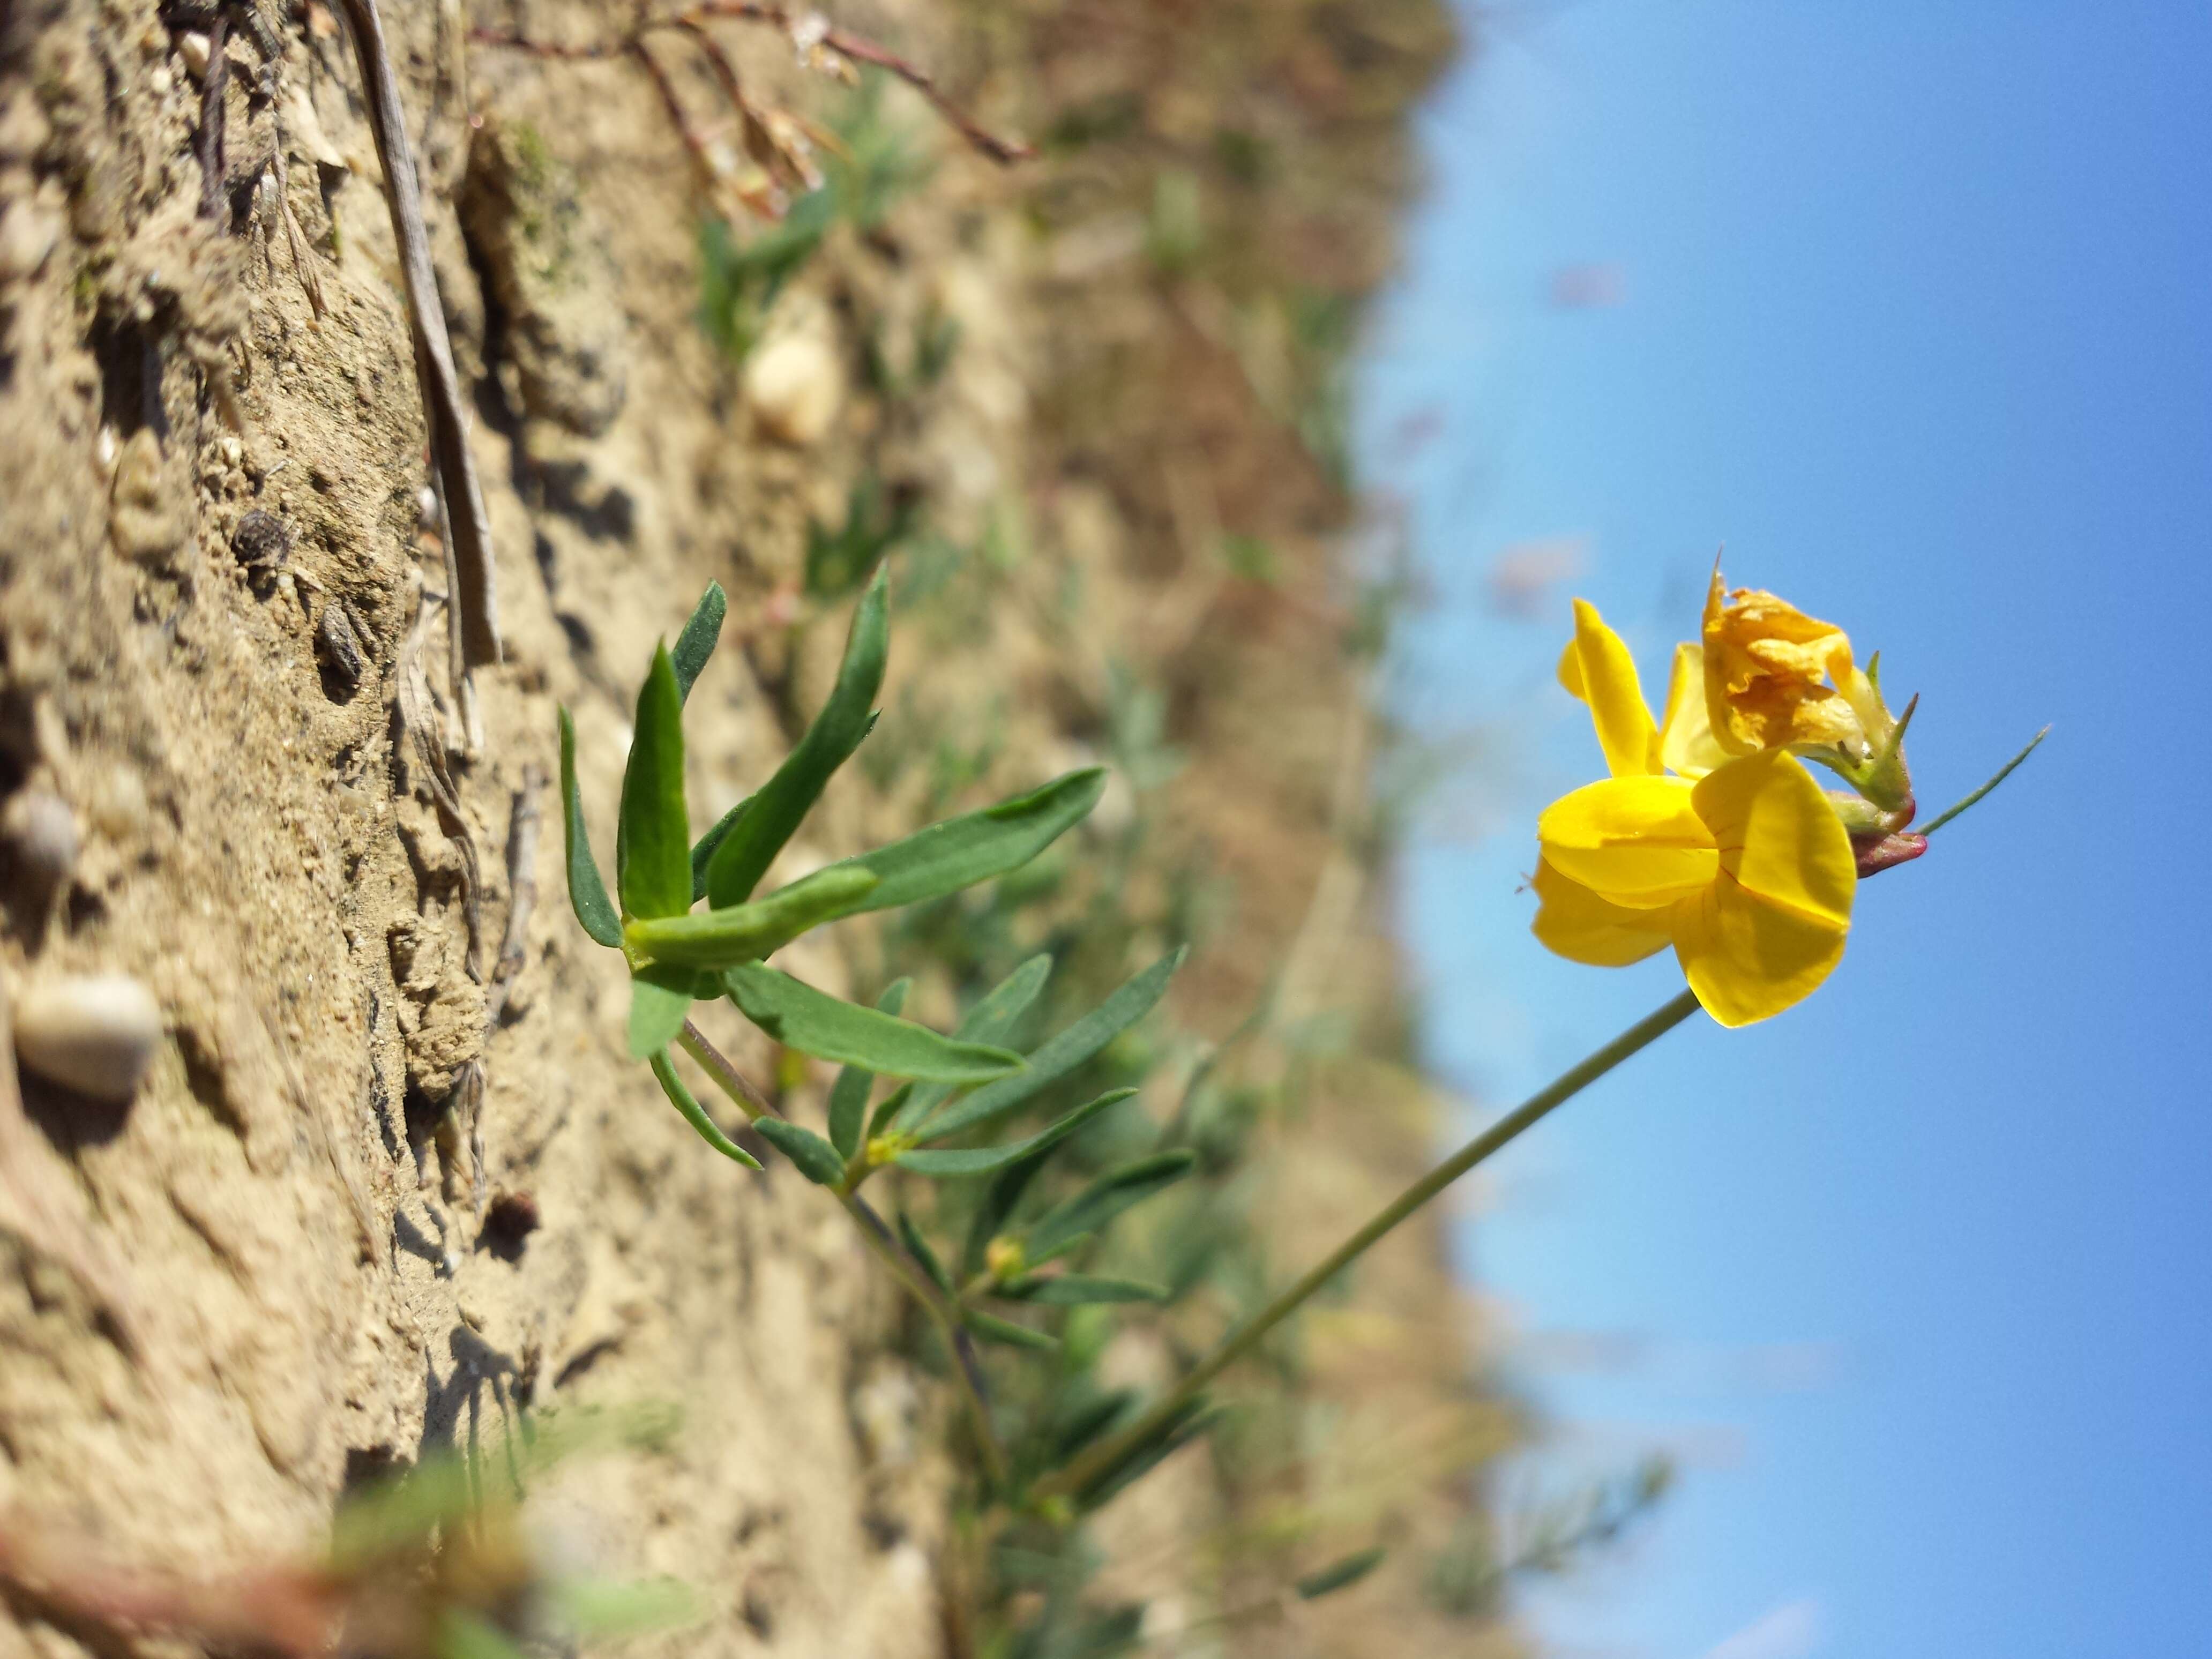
(918, 1248)
(696, 1114)
(1089, 1210)
(1076, 1290)
(812, 1155)
(746, 933)
(992, 1020)
(695, 644)
(595, 1607)
(992, 1328)
(887, 1111)
(960, 851)
(465, 1635)
(800, 1017)
(981, 1160)
(996, 1204)
(848, 1096)
(1064, 1053)
(655, 853)
(702, 850)
(1171, 1437)
(752, 844)
(660, 998)
(587, 893)
(1085, 1420)
(1340, 1575)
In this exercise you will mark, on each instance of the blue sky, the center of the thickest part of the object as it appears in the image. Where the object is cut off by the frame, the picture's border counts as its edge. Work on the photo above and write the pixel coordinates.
(1910, 306)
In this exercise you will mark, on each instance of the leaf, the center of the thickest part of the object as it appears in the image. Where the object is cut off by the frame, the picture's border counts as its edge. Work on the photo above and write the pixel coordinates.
(587, 893)
(655, 852)
(887, 1111)
(981, 1160)
(1077, 1290)
(465, 1635)
(1064, 1053)
(702, 850)
(696, 1114)
(1186, 1424)
(695, 644)
(992, 1328)
(660, 998)
(992, 1020)
(752, 844)
(800, 1017)
(1085, 1422)
(1089, 1210)
(918, 1248)
(746, 933)
(848, 1096)
(595, 1607)
(1340, 1575)
(812, 1155)
(960, 851)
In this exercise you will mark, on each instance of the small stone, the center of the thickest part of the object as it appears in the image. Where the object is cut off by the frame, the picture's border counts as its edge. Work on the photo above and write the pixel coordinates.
(337, 643)
(40, 833)
(28, 234)
(192, 47)
(96, 1035)
(261, 542)
(793, 386)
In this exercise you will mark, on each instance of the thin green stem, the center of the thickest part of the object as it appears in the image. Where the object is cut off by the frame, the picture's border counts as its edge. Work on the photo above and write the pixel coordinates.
(886, 1248)
(2002, 772)
(926, 1290)
(1103, 1458)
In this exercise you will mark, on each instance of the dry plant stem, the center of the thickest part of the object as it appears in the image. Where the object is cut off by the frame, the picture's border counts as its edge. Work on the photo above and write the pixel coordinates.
(1103, 1458)
(860, 49)
(475, 633)
(212, 112)
(887, 1249)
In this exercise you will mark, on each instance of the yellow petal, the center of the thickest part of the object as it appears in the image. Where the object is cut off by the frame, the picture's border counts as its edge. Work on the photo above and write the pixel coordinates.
(1637, 842)
(1598, 668)
(1686, 743)
(1576, 923)
(1779, 838)
(1746, 959)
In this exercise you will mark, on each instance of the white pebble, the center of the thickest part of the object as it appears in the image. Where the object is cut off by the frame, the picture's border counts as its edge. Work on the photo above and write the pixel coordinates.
(794, 388)
(40, 835)
(96, 1035)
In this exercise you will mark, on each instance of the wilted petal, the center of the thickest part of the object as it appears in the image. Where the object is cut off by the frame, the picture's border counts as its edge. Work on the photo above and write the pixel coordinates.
(1775, 676)
(1597, 668)
(1576, 924)
(1637, 842)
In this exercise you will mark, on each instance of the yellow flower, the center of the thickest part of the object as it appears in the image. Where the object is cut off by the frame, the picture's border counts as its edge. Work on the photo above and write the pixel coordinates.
(1776, 678)
(1741, 863)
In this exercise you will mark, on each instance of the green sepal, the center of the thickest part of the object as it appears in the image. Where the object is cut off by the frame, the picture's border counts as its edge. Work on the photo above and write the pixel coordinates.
(992, 1020)
(702, 850)
(695, 644)
(918, 1248)
(992, 1328)
(1339, 1575)
(587, 893)
(812, 1155)
(800, 1017)
(660, 998)
(982, 1160)
(751, 845)
(1078, 1290)
(696, 1114)
(1064, 1053)
(848, 1096)
(653, 852)
(746, 933)
(958, 853)
(1089, 1210)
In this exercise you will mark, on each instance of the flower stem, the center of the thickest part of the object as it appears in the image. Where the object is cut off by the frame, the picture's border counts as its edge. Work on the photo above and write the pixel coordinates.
(1103, 1458)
